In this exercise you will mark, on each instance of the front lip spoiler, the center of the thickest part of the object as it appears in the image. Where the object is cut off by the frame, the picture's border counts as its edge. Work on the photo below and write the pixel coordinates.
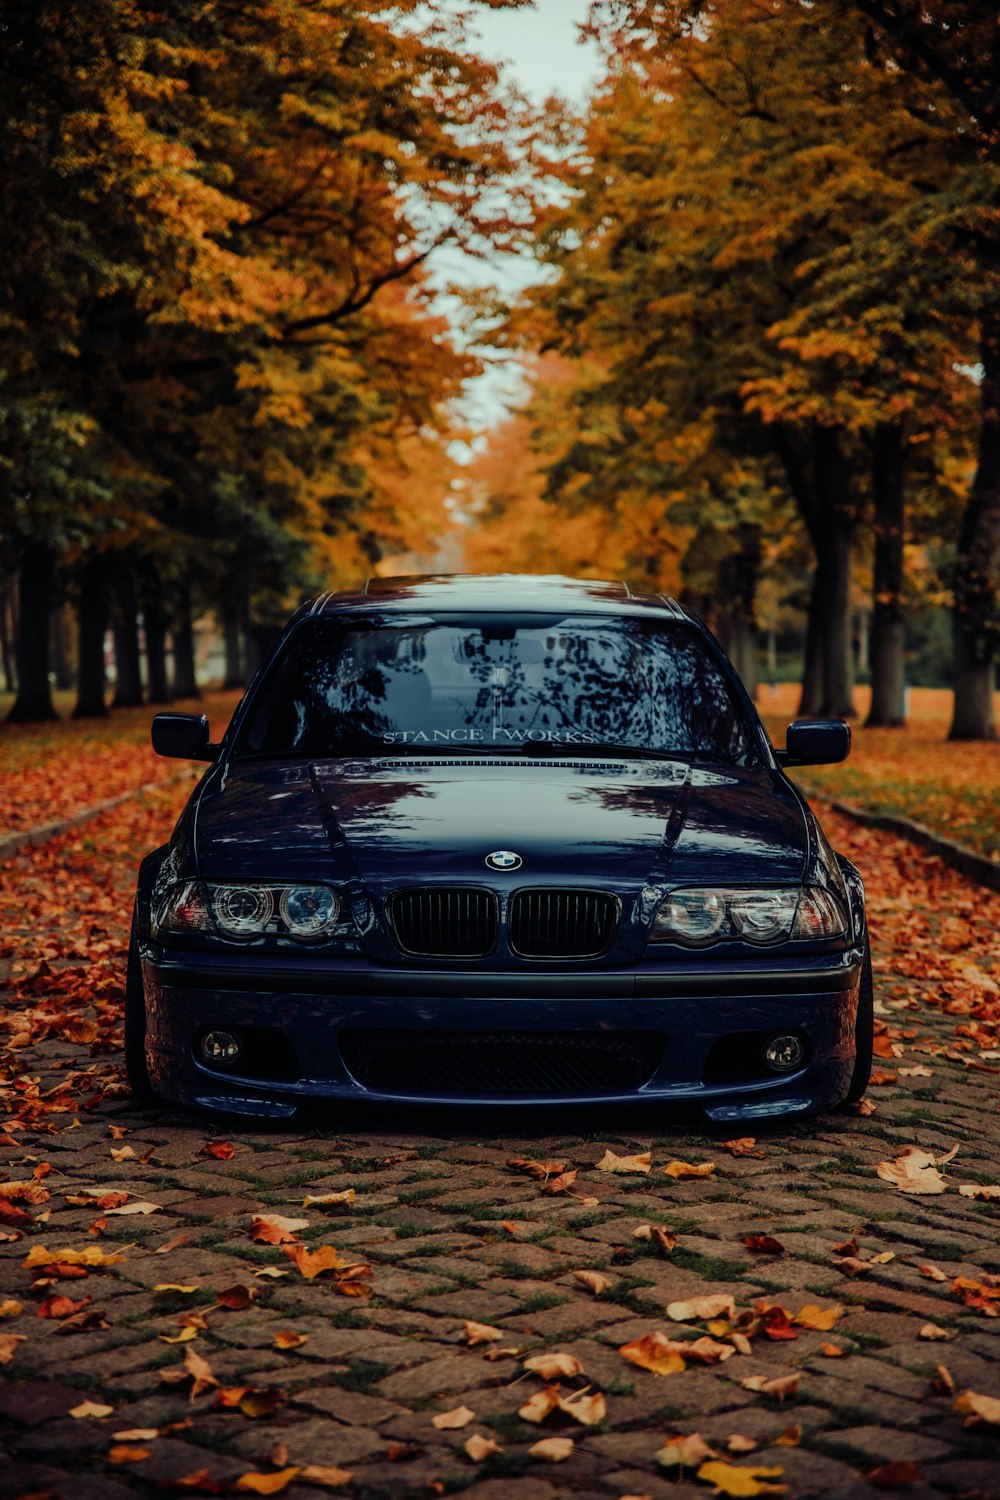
(383, 983)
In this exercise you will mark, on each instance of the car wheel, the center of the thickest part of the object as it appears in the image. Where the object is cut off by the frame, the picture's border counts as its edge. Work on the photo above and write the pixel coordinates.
(136, 1070)
(864, 1032)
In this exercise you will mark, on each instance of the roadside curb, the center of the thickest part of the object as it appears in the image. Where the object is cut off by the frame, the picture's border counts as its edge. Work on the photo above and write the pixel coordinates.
(11, 843)
(975, 866)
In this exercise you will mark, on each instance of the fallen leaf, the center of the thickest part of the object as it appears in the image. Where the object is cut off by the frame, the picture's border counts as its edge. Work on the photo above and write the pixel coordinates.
(977, 1190)
(540, 1170)
(594, 1281)
(481, 1333)
(349, 1277)
(678, 1169)
(90, 1256)
(745, 1145)
(330, 1200)
(125, 1453)
(137, 1207)
(184, 1288)
(740, 1444)
(944, 1381)
(790, 1438)
(60, 1307)
(609, 1162)
(554, 1449)
(267, 1484)
(551, 1366)
(894, 1476)
(983, 1295)
(733, 1479)
(236, 1298)
(286, 1339)
(271, 1272)
(459, 1416)
(914, 1171)
(10, 1309)
(261, 1401)
(851, 1265)
(932, 1273)
(684, 1452)
(832, 1351)
(977, 1409)
(195, 1369)
(932, 1331)
(123, 1153)
(221, 1150)
(273, 1229)
(8, 1344)
(697, 1308)
(584, 1408)
(90, 1409)
(479, 1447)
(538, 1406)
(136, 1434)
(560, 1184)
(184, 1337)
(172, 1244)
(654, 1352)
(776, 1385)
(820, 1319)
(763, 1244)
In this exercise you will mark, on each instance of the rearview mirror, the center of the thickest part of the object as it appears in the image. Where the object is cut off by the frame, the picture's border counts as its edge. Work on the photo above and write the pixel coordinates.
(183, 736)
(816, 742)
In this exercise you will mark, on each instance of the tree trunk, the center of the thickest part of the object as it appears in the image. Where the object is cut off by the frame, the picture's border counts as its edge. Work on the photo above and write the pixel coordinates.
(811, 697)
(7, 633)
(234, 667)
(835, 521)
(60, 650)
(738, 577)
(185, 679)
(888, 637)
(93, 619)
(975, 610)
(128, 666)
(156, 651)
(34, 696)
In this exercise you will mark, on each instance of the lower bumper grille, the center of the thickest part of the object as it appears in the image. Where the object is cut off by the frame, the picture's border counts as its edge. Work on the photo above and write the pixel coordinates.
(481, 1064)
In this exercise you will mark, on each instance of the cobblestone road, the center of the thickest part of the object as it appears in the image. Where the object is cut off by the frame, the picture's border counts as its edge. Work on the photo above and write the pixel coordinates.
(454, 1234)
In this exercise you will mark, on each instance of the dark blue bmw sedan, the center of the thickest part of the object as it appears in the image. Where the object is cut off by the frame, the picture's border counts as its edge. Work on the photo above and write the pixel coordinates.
(498, 840)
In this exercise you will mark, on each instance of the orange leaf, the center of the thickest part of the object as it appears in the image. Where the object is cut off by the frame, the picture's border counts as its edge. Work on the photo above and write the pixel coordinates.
(267, 1484)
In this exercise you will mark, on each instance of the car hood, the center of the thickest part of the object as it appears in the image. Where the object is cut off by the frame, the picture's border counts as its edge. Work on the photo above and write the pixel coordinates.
(631, 825)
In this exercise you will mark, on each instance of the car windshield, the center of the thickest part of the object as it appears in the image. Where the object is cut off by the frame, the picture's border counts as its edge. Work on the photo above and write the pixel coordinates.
(497, 683)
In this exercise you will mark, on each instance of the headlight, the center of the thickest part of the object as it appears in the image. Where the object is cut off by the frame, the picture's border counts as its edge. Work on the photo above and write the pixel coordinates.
(699, 915)
(309, 911)
(184, 908)
(763, 916)
(694, 916)
(242, 911)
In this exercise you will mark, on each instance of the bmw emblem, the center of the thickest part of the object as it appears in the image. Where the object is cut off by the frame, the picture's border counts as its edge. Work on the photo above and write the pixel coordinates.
(504, 859)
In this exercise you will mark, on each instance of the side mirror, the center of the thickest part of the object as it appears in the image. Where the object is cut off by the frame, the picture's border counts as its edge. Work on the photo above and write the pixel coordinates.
(183, 736)
(816, 742)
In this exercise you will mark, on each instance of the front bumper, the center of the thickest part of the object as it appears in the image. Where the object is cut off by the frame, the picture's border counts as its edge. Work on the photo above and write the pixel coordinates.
(312, 1005)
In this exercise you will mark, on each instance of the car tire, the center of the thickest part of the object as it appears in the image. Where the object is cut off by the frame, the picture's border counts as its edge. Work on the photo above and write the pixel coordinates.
(864, 1032)
(136, 1070)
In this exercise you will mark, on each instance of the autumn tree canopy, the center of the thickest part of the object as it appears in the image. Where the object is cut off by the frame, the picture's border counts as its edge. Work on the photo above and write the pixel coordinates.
(774, 282)
(222, 378)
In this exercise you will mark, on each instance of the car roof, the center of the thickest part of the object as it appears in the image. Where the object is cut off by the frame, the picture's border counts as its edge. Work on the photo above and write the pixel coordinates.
(497, 593)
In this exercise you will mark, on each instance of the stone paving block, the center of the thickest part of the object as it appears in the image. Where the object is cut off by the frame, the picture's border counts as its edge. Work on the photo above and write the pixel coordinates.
(449, 1372)
(883, 1444)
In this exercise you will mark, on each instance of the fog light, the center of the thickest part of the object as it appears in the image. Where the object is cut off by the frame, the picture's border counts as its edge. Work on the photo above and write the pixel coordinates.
(220, 1049)
(785, 1052)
